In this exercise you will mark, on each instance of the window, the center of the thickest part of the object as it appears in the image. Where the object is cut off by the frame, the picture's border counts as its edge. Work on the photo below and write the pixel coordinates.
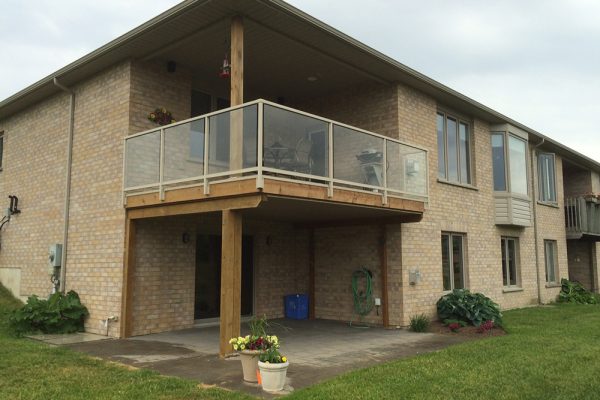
(454, 153)
(546, 178)
(551, 261)
(1, 148)
(511, 163)
(453, 261)
(510, 265)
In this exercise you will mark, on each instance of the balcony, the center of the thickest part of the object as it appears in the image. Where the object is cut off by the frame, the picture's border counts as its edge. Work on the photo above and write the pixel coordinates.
(582, 216)
(263, 147)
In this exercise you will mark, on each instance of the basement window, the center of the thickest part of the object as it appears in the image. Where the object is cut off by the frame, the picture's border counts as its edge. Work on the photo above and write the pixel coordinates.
(551, 257)
(453, 261)
(510, 264)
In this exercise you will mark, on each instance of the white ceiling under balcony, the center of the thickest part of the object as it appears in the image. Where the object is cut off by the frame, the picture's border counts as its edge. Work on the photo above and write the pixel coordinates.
(275, 64)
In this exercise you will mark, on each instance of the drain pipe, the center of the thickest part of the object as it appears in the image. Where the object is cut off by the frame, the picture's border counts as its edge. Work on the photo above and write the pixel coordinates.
(63, 261)
(535, 222)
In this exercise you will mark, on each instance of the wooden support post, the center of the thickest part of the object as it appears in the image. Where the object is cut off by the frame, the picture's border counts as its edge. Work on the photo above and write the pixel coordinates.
(384, 277)
(231, 279)
(128, 268)
(237, 93)
(311, 273)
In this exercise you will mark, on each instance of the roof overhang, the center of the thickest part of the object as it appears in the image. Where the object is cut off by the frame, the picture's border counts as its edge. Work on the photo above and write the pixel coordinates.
(190, 16)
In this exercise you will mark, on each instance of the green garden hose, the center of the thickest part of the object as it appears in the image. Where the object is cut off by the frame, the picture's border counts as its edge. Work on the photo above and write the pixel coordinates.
(363, 298)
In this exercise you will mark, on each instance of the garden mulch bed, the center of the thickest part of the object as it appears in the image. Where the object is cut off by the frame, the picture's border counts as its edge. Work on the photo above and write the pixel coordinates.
(467, 331)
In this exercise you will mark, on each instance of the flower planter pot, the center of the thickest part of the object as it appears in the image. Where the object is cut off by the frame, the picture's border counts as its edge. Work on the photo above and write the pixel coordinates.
(273, 376)
(249, 360)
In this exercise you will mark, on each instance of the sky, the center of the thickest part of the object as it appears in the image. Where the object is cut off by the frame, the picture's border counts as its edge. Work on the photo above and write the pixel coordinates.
(536, 61)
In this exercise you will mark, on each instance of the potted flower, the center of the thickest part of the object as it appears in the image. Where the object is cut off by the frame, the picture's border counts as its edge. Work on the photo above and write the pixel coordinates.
(161, 116)
(251, 346)
(273, 370)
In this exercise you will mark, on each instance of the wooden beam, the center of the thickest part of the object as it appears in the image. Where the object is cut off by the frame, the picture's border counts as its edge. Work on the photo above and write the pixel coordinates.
(231, 279)
(128, 269)
(236, 117)
(384, 277)
(237, 61)
(311, 273)
(221, 189)
(204, 206)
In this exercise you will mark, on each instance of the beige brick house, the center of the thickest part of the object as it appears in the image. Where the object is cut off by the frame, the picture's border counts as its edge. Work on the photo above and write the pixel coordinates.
(316, 157)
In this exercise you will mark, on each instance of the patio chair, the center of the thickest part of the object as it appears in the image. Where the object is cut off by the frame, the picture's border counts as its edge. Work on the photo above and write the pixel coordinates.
(302, 159)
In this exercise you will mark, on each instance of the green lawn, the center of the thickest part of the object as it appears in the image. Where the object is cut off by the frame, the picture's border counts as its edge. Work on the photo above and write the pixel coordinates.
(30, 370)
(550, 353)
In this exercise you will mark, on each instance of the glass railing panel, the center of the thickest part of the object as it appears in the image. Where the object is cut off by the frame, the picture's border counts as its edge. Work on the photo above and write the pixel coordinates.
(395, 166)
(295, 142)
(184, 151)
(357, 156)
(233, 140)
(142, 160)
(414, 163)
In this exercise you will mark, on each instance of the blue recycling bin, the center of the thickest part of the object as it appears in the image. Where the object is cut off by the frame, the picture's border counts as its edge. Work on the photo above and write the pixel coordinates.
(296, 306)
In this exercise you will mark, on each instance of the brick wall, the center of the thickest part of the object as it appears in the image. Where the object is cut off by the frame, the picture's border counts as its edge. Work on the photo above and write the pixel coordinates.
(96, 229)
(461, 210)
(163, 280)
(581, 263)
(33, 168)
(551, 226)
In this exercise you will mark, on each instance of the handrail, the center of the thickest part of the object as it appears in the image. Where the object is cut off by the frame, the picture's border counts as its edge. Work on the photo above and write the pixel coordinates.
(582, 215)
(329, 179)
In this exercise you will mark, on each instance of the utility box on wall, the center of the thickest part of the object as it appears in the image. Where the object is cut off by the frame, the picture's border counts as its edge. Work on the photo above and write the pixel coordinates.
(55, 255)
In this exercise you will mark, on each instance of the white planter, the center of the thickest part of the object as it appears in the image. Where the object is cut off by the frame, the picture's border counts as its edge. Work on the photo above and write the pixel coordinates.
(273, 375)
(249, 360)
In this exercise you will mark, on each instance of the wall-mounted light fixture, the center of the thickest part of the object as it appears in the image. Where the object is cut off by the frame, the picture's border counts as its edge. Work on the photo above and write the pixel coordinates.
(14, 205)
(186, 237)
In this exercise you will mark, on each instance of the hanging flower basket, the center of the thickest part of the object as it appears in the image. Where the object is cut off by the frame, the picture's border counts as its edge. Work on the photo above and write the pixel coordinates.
(161, 116)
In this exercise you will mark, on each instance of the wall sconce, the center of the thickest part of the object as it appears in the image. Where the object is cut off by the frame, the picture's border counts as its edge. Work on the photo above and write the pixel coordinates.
(14, 205)
(186, 237)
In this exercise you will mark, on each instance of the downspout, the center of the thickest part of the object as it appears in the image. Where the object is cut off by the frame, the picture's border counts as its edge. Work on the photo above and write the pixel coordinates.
(63, 261)
(535, 228)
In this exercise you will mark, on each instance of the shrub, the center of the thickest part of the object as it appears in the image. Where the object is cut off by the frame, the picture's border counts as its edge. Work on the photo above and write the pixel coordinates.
(573, 292)
(474, 308)
(455, 326)
(486, 326)
(59, 314)
(419, 323)
(447, 322)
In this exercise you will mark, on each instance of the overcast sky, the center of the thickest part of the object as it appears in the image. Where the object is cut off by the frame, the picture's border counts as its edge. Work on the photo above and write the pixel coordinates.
(537, 61)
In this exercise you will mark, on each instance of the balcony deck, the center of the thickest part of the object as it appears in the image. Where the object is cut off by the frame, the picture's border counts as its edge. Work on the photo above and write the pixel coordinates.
(582, 217)
(305, 157)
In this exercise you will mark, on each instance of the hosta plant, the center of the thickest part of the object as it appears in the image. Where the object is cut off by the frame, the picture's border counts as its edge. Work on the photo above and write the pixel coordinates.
(473, 308)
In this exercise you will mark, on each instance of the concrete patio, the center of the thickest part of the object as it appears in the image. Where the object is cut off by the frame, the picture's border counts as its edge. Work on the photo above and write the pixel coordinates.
(317, 350)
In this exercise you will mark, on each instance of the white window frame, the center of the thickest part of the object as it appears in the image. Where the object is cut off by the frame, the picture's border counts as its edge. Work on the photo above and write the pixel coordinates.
(506, 275)
(506, 143)
(463, 238)
(551, 262)
(459, 121)
(543, 178)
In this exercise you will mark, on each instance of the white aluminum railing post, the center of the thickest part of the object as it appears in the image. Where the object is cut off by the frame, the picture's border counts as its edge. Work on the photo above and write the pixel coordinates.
(205, 155)
(161, 165)
(260, 182)
(384, 198)
(330, 160)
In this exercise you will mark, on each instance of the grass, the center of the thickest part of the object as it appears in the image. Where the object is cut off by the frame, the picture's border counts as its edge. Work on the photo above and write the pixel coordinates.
(550, 353)
(31, 370)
